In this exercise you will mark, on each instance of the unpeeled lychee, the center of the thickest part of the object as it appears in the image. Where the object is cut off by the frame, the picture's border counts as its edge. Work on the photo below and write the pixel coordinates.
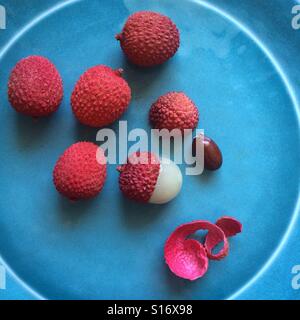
(100, 96)
(80, 172)
(149, 38)
(146, 178)
(35, 87)
(174, 110)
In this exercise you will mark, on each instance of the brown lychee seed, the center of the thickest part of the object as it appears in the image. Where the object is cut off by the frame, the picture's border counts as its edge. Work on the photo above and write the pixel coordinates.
(213, 158)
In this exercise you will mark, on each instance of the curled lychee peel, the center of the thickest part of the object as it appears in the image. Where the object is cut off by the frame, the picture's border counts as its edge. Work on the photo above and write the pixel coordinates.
(229, 225)
(188, 258)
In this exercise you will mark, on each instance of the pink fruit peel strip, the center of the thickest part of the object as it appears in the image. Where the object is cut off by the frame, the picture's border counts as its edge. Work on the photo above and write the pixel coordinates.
(229, 225)
(188, 258)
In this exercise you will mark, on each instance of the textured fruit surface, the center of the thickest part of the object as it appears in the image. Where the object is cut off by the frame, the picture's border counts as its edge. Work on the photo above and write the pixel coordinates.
(149, 38)
(138, 177)
(188, 258)
(80, 172)
(192, 263)
(100, 96)
(35, 87)
(174, 110)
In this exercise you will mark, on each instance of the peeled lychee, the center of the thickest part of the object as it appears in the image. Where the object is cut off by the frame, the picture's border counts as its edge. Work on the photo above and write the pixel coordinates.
(35, 87)
(149, 38)
(146, 178)
(100, 96)
(80, 172)
(174, 110)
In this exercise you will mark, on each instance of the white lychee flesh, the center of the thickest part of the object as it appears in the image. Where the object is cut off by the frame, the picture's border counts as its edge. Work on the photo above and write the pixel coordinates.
(168, 183)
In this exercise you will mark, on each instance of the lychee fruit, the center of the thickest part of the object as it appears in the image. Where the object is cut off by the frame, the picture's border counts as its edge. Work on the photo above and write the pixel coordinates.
(174, 110)
(80, 172)
(149, 38)
(146, 178)
(100, 96)
(35, 87)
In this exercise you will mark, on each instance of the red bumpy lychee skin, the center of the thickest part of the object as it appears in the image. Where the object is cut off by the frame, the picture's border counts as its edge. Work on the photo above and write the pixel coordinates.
(139, 175)
(188, 258)
(174, 110)
(100, 96)
(80, 172)
(149, 38)
(35, 87)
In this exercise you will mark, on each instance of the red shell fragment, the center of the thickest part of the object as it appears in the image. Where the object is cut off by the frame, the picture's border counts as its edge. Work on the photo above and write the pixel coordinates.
(188, 258)
(229, 225)
(213, 238)
(138, 177)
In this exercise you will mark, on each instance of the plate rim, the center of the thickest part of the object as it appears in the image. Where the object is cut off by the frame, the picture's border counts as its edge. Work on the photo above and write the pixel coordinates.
(289, 89)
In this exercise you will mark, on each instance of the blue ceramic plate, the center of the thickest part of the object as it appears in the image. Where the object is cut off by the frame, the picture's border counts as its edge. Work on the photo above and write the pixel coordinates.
(111, 247)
